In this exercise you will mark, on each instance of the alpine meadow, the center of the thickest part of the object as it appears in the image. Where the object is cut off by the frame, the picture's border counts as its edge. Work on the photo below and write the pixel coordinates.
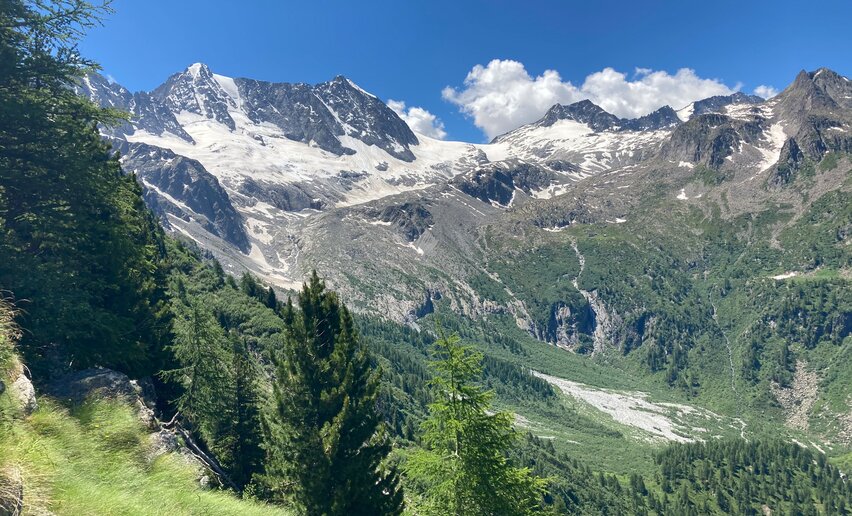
(227, 295)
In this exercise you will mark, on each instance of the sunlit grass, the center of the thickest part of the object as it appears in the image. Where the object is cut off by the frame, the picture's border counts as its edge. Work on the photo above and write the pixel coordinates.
(93, 461)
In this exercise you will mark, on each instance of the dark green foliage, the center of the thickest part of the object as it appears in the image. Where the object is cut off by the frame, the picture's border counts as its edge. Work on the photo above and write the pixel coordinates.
(325, 440)
(221, 338)
(741, 477)
(199, 346)
(245, 447)
(79, 249)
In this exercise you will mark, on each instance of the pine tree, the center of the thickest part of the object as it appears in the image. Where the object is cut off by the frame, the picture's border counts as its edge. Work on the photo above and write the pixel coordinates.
(325, 441)
(463, 469)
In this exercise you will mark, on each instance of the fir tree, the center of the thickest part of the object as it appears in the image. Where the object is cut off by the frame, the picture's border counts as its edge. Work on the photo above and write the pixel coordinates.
(463, 469)
(325, 441)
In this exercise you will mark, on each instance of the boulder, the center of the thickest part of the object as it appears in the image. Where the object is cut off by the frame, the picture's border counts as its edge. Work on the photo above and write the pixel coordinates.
(23, 393)
(162, 442)
(76, 387)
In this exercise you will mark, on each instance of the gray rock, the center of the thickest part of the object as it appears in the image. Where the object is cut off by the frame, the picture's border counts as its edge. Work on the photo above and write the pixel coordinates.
(75, 388)
(160, 443)
(166, 176)
(23, 393)
(497, 182)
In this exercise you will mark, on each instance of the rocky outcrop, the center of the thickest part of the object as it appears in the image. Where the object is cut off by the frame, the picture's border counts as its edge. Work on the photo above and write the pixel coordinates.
(568, 328)
(497, 182)
(286, 197)
(412, 219)
(20, 390)
(77, 387)
(179, 186)
(710, 138)
(24, 395)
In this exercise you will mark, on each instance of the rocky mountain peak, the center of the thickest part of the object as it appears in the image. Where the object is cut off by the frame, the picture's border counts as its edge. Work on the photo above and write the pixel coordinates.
(819, 92)
(598, 119)
(584, 111)
(196, 90)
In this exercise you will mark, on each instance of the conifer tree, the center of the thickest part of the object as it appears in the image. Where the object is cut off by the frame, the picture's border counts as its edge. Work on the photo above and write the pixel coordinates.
(76, 240)
(199, 347)
(325, 440)
(247, 453)
(463, 469)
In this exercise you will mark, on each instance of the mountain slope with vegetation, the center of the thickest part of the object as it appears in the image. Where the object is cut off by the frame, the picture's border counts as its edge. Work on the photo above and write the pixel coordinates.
(708, 308)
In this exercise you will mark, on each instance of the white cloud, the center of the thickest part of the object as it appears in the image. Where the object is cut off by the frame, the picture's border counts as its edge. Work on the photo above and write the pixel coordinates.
(419, 120)
(502, 95)
(765, 91)
(650, 91)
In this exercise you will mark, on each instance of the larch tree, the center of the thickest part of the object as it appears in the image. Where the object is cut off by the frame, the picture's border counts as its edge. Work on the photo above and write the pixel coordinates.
(463, 468)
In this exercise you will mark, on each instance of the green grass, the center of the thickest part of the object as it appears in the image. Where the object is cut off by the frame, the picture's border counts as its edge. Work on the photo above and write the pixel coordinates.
(92, 461)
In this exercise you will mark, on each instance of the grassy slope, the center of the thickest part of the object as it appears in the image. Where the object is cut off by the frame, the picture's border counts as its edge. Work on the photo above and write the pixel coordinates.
(92, 461)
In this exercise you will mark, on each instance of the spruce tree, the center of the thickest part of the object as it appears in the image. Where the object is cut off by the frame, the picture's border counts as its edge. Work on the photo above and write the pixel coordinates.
(463, 468)
(325, 440)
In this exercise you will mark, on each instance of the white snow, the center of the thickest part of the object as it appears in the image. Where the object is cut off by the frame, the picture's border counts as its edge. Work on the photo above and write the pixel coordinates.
(685, 113)
(574, 142)
(411, 245)
(194, 69)
(775, 137)
(686, 164)
(234, 155)
(786, 275)
(229, 86)
(682, 195)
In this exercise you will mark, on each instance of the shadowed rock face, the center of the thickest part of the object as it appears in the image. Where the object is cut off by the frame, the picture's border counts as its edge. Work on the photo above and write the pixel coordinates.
(599, 120)
(182, 187)
(412, 219)
(497, 182)
(287, 197)
(710, 138)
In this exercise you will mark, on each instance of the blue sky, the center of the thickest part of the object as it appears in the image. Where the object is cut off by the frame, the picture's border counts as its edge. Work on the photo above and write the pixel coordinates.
(411, 50)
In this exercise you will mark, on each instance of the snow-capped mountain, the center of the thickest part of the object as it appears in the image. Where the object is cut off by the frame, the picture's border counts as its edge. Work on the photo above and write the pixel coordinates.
(282, 177)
